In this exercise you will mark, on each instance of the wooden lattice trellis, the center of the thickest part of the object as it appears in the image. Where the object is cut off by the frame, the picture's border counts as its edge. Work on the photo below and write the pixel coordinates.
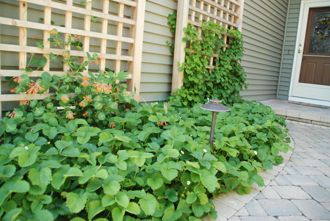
(128, 18)
(225, 12)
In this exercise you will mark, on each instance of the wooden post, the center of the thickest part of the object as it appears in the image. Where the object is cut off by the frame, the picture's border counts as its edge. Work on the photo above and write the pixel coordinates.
(137, 50)
(240, 18)
(215, 12)
(104, 31)
(22, 34)
(0, 85)
(46, 43)
(208, 11)
(87, 27)
(227, 16)
(200, 18)
(68, 25)
(193, 4)
(179, 47)
(119, 33)
(221, 11)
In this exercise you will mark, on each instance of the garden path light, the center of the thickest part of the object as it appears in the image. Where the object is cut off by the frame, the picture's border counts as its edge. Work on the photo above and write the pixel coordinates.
(215, 106)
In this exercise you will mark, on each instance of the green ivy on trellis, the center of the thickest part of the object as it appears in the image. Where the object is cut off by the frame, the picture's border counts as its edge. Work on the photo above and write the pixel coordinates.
(225, 79)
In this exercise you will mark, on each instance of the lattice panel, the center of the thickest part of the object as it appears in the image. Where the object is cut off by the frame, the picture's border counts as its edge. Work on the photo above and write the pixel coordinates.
(105, 27)
(228, 13)
(224, 12)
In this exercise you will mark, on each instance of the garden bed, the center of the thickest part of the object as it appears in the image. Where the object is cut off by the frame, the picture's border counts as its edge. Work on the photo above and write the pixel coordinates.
(111, 158)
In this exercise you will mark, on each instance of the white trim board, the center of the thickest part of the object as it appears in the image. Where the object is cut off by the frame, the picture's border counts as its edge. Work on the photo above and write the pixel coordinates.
(294, 94)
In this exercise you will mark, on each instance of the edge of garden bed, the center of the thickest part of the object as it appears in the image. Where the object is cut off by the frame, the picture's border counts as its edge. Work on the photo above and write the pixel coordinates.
(227, 205)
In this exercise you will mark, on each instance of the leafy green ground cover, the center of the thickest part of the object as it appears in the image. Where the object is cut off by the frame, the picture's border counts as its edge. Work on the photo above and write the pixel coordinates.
(103, 156)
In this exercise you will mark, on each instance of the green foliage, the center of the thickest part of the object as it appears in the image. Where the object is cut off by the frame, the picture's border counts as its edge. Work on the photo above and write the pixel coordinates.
(225, 79)
(91, 152)
(170, 173)
(171, 22)
(58, 40)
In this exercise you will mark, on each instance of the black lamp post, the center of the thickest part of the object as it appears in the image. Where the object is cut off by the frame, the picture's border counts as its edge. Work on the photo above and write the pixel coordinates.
(215, 106)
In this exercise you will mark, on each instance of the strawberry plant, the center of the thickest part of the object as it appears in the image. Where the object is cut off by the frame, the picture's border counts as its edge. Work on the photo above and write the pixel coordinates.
(91, 152)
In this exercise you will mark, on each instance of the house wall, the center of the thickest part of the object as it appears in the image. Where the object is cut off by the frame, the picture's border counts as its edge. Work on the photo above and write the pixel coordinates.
(263, 31)
(156, 76)
(288, 49)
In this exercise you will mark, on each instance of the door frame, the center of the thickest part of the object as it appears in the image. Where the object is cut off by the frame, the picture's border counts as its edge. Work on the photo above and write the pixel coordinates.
(300, 42)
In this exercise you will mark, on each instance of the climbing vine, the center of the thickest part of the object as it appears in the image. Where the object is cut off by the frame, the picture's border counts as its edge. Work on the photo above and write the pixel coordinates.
(171, 22)
(224, 78)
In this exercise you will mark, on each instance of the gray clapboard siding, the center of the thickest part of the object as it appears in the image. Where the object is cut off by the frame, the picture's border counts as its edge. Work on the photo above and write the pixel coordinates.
(156, 76)
(288, 49)
(263, 30)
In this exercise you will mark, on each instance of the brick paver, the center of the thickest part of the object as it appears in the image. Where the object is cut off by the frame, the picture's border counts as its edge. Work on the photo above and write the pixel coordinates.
(280, 207)
(291, 192)
(254, 208)
(318, 193)
(301, 190)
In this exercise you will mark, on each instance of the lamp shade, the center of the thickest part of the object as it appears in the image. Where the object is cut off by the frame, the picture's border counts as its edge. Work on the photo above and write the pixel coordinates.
(215, 106)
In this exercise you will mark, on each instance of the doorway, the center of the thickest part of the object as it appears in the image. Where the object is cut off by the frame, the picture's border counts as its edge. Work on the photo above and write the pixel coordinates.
(310, 81)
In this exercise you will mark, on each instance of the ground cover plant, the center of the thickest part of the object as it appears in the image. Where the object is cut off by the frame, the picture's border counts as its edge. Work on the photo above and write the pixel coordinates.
(115, 158)
(91, 152)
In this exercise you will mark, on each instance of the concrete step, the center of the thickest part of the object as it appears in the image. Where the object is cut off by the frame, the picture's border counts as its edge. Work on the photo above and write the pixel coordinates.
(300, 112)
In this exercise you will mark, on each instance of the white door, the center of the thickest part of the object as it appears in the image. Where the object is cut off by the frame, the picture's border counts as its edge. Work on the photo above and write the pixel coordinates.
(310, 82)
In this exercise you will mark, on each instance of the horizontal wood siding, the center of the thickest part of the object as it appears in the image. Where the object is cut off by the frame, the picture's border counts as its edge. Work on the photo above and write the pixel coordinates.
(263, 30)
(156, 76)
(289, 49)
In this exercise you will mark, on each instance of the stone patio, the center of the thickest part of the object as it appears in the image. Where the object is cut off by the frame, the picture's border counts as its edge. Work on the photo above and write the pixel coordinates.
(297, 190)
(301, 112)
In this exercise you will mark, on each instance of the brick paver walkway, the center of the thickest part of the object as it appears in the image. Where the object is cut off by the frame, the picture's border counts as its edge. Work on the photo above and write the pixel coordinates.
(301, 190)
